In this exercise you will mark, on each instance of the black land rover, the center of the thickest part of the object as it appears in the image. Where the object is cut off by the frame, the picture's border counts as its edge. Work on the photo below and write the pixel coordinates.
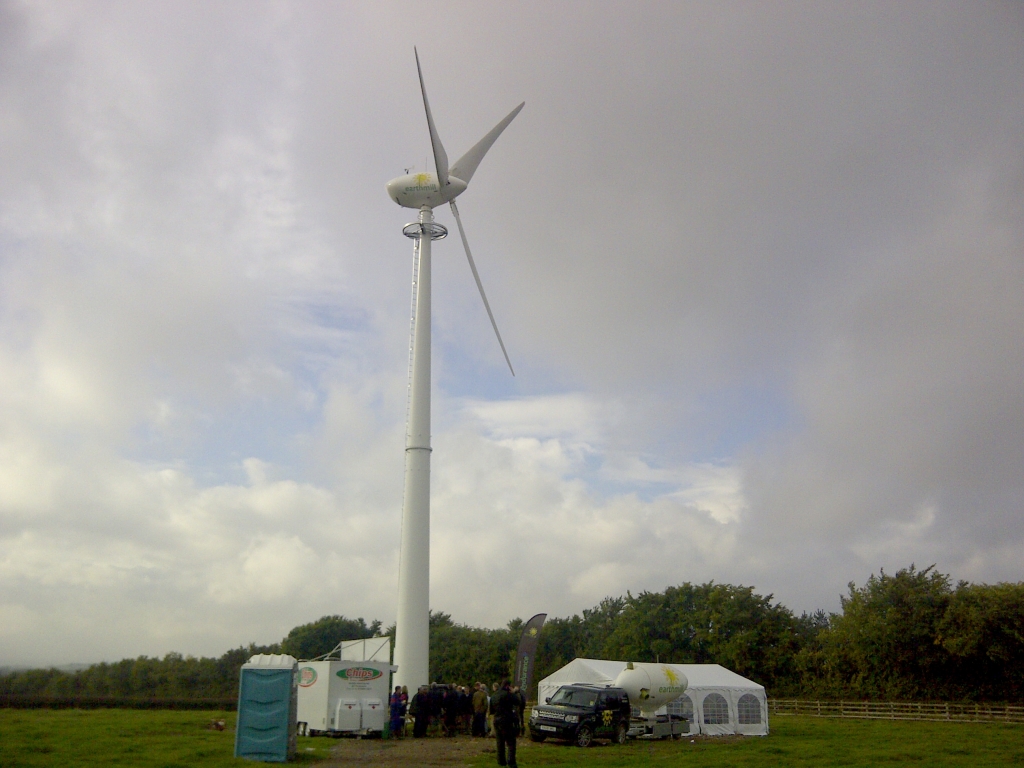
(581, 713)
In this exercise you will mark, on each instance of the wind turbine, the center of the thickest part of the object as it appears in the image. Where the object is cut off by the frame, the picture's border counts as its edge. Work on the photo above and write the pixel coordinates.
(424, 191)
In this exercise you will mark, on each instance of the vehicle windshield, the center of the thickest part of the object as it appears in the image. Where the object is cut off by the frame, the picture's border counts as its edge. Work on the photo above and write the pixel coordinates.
(574, 697)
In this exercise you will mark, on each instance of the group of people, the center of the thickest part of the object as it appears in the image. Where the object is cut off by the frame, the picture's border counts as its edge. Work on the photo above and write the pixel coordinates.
(500, 711)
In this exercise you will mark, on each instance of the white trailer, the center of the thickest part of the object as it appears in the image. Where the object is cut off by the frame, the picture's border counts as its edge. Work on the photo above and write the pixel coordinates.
(343, 696)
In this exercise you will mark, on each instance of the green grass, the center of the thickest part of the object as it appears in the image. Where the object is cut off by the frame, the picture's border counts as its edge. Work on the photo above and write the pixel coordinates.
(808, 741)
(176, 739)
(125, 737)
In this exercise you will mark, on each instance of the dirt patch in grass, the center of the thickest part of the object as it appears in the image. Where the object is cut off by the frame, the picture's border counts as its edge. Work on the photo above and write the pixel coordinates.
(465, 751)
(404, 753)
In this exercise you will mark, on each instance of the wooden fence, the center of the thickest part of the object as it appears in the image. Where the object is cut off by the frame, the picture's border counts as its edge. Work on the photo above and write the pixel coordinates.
(962, 712)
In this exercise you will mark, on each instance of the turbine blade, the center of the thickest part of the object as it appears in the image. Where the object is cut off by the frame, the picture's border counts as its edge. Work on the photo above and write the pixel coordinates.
(465, 166)
(440, 158)
(476, 276)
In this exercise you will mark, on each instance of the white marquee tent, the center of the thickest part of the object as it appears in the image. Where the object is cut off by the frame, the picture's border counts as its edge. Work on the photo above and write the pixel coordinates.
(716, 701)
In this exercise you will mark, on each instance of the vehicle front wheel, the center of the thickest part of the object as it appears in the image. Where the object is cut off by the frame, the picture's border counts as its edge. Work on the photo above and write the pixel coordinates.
(584, 736)
(620, 734)
(538, 737)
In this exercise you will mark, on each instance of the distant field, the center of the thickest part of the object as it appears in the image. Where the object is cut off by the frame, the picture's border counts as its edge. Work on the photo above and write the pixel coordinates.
(174, 739)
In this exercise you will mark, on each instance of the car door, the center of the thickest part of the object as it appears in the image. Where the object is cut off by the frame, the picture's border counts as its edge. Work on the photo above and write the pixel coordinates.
(607, 704)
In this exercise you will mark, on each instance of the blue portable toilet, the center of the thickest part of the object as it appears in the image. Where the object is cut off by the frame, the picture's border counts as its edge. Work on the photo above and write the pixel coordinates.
(267, 701)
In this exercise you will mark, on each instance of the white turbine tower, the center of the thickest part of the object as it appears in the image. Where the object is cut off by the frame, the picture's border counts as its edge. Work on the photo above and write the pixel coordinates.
(424, 191)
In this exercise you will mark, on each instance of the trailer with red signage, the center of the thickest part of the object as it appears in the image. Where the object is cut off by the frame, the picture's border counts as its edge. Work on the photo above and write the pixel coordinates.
(343, 697)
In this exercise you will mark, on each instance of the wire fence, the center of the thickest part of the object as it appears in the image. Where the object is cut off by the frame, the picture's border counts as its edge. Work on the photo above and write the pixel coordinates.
(963, 712)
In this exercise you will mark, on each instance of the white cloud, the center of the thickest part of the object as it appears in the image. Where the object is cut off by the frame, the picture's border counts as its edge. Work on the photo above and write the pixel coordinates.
(515, 526)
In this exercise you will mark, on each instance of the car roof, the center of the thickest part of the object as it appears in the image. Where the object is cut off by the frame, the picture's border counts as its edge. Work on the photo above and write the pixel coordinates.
(592, 687)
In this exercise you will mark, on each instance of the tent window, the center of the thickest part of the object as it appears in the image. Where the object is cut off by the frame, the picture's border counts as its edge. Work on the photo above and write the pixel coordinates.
(749, 709)
(716, 710)
(681, 708)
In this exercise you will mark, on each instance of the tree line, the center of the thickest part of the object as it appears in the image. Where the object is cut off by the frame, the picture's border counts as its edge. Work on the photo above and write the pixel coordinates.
(912, 635)
(177, 677)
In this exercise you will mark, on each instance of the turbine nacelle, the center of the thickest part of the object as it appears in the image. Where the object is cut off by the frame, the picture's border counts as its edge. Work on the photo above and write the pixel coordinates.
(416, 190)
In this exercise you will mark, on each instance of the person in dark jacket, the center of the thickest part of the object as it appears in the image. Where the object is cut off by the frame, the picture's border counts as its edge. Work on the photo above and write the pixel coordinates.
(465, 710)
(437, 692)
(522, 707)
(450, 707)
(507, 713)
(420, 710)
(480, 710)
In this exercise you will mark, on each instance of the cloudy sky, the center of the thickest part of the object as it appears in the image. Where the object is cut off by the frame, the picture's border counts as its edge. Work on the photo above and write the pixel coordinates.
(759, 267)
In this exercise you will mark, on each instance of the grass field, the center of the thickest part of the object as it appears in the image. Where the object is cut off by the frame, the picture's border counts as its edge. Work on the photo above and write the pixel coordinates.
(126, 737)
(173, 739)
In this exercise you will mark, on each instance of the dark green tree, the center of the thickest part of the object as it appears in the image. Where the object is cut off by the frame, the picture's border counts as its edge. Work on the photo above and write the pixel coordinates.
(983, 632)
(710, 623)
(885, 644)
(321, 636)
(466, 655)
(561, 641)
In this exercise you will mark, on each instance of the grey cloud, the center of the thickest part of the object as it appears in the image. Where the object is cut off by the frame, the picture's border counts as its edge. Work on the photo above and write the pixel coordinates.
(781, 241)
